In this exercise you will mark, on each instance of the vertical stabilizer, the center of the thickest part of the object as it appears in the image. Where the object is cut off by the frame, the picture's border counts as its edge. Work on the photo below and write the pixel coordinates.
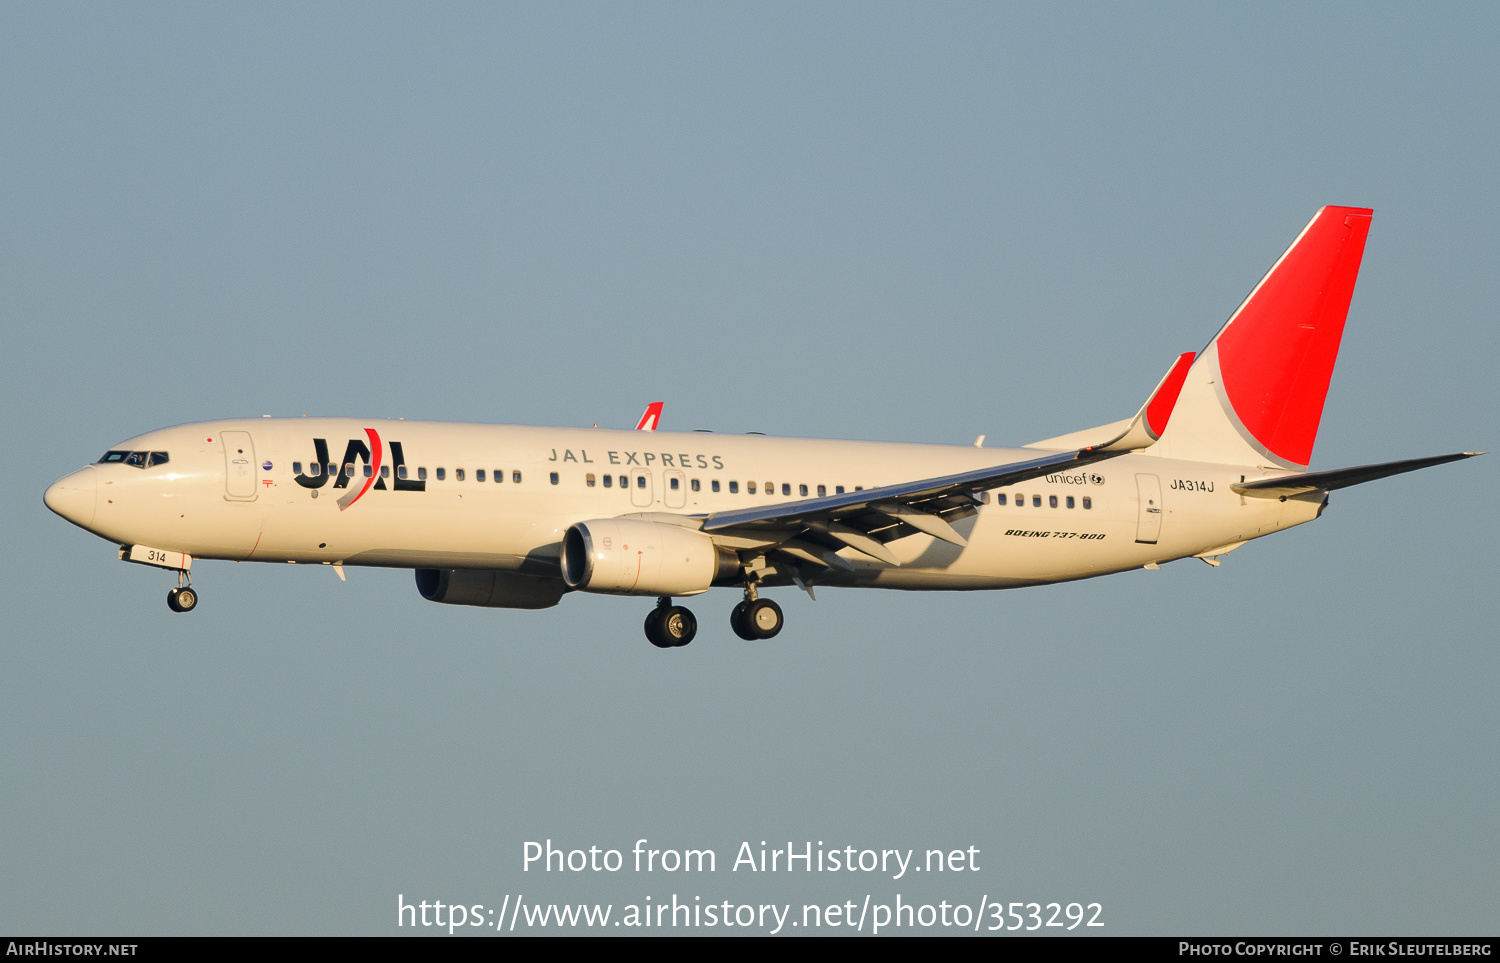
(1255, 394)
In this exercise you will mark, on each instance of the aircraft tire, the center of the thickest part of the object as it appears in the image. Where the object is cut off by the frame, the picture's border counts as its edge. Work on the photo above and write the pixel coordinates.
(654, 632)
(737, 622)
(172, 600)
(187, 599)
(763, 617)
(678, 626)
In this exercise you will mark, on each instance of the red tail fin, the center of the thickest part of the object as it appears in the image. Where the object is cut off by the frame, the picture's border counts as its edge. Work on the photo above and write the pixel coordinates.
(1276, 354)
(1255, 394)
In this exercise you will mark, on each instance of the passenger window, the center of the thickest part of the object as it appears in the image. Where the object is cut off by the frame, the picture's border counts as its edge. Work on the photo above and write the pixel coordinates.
(624, 482)
(734, 488)
(1036, 501)
(296, 468)
(385, 471)
(695, 485)
(515, 478)
(609, 481)
(1088, 502)
(157, 458)
(479, 474)
(554, 478)
(349, 470)
(441, 474)
(802, 490)
(749, 487)
(458, 474)
(401, 472)
(1051, 501)
(770, 488)
(822, 490)
(786, 488)
(1070, 501)
(369, 471)
(838, 489)
(498, 476)
(421, 474)
(675, 484)
(1000, 499)
(332, 469)
(714, 484)
(859, 488)
(589, 479)
(640, 481)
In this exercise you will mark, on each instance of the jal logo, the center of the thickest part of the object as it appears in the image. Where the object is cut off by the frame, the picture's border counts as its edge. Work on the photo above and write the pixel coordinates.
(369, 451)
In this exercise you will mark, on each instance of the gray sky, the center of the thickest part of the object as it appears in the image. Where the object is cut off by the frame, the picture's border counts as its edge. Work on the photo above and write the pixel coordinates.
(840, 220)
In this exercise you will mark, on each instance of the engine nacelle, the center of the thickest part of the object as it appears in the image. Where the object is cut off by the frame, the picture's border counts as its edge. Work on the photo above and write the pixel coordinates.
(496, 590)
(631, 556)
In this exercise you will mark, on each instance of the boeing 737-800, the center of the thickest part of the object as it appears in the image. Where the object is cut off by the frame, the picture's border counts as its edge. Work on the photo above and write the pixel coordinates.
(518, 517)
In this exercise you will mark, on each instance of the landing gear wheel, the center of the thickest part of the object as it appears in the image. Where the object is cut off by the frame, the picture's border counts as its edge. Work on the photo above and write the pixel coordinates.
(763, 618)
(653, 629)
(737, 622)
(669, 627)
(182, 599)
(677, 625)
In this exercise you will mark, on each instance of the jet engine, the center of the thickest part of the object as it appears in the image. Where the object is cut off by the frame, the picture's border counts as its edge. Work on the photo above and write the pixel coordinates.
(496, 590)
(631, 556)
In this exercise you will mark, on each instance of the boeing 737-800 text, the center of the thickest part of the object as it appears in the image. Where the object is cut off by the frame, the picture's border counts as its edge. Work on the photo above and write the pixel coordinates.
(517, 517)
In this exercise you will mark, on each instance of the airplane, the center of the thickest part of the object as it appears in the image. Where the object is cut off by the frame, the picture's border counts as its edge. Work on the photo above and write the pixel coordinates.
(509, 516)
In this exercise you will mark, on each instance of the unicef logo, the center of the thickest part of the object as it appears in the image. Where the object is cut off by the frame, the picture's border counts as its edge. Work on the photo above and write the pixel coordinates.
(1096, 479)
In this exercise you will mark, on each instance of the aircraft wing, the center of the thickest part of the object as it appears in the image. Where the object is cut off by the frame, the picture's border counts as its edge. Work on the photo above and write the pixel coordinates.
(1327, 481)
(813, 529)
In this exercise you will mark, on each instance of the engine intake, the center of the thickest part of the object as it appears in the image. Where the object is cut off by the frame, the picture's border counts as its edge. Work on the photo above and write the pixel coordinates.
(631, 556)
(496, 590)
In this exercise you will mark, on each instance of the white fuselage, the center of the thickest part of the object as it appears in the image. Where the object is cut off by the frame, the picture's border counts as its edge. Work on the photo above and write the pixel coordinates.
(246, 504)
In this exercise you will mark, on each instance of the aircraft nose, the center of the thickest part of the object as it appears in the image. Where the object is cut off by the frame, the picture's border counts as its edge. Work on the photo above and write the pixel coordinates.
(74, 497)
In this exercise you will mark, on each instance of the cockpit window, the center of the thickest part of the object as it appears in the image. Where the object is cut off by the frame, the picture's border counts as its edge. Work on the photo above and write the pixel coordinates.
(135, 459)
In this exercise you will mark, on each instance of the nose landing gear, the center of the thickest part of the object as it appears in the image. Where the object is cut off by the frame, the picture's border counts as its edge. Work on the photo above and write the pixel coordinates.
(183, 598)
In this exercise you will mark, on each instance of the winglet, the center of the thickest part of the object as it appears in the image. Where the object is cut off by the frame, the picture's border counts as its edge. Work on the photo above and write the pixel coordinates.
(1151, 420)
(651, 418)
(1131, 433)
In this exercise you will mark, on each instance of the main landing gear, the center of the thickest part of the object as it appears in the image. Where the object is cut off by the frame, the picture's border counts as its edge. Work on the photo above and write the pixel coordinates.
(183, 598)
(672, 626)
(756, 619)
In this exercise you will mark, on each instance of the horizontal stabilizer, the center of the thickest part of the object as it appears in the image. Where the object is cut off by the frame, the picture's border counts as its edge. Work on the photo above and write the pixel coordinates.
(1327, 481)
